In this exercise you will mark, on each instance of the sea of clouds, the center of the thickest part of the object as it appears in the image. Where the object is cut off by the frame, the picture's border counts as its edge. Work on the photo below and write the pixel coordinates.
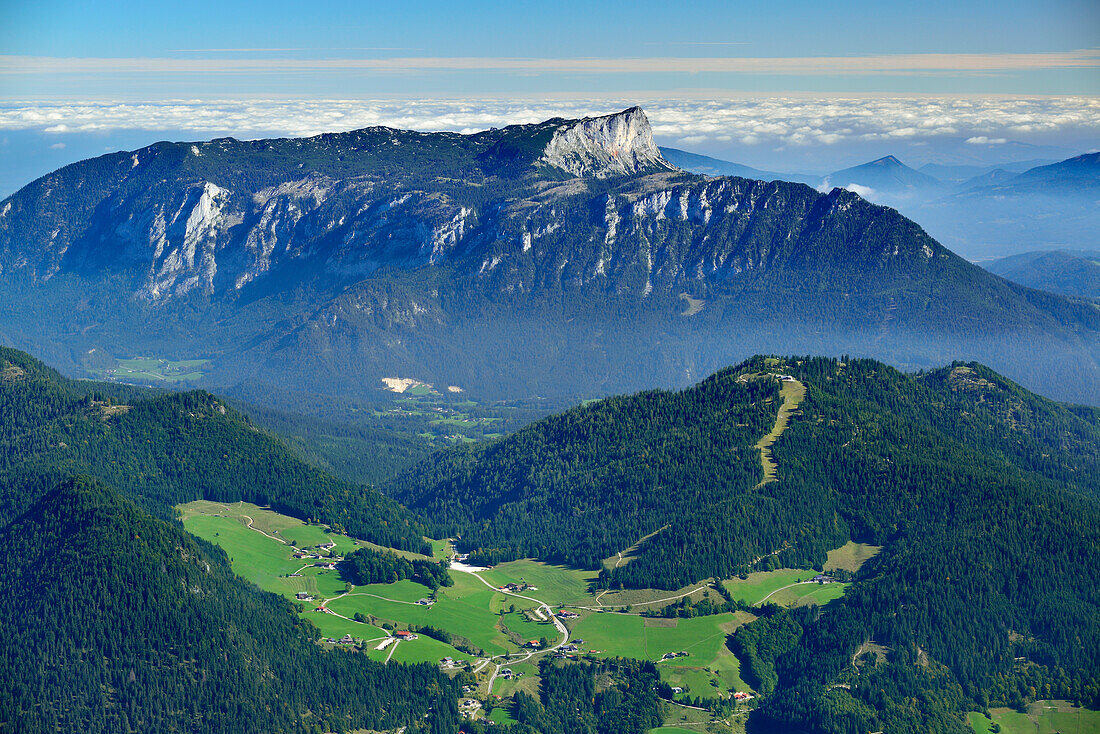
(791, 121)
(807, 133)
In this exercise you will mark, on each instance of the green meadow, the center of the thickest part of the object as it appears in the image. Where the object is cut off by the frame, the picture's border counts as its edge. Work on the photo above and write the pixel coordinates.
(1042, 717)
(760, 584)
(474, 609)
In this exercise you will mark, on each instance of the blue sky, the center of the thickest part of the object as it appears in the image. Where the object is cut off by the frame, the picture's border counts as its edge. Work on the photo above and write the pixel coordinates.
(77, 78)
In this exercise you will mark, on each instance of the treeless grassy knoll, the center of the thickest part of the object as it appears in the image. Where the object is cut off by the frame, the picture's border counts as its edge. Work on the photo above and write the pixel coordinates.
(649, 598)
(754, 589)
(1042, 717)
(806, 594)
(851, 556)
(553, 584)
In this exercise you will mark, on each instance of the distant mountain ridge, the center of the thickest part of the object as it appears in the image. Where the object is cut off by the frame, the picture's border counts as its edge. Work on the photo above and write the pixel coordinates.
(327, 263)
(708, 166)
(1071, 273)
(886, 175)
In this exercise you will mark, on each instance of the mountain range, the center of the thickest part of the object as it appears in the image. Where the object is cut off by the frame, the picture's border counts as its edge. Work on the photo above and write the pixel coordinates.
(1071, 273)
(978, 211)
(491, 262)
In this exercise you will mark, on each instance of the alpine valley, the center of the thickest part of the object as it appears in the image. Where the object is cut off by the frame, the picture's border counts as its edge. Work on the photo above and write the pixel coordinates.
(526, 431)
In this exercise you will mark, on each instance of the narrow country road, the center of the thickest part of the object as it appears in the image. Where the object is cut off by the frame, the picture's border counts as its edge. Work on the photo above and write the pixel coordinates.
(541, 605)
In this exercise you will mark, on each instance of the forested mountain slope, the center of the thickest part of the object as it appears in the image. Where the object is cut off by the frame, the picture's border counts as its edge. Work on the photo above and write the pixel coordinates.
(164, 450)
(116, 621)
(983, 496)
(327, 263)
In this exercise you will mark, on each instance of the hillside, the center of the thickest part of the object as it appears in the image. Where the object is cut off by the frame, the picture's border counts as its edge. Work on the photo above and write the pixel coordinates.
(117, 621)
(958, 473)
(322, 265)
(1071, 273)
(164, 449)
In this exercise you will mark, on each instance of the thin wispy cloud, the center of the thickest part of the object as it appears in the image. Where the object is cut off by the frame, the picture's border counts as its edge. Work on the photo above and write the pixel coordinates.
(932, 63)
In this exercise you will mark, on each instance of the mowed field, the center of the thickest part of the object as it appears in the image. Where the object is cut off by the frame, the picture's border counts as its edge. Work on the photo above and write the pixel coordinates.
(554, 585)
(1042, 717)
(261, 555)
(761, 584)
(702, 638)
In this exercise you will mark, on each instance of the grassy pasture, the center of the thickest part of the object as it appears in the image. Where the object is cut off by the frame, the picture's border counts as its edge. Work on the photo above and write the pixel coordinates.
(851, 556)
(148, 369)
(425, 650)
(468, 616)
(554, 584)
(529, 683)
(650, 598)
(1042, 717)
(760, 584)
(807, 594)
(333, 626)
(260, 559)
(529, 630)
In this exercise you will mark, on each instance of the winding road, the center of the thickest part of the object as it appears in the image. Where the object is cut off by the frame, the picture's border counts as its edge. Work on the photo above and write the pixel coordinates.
(541, 605)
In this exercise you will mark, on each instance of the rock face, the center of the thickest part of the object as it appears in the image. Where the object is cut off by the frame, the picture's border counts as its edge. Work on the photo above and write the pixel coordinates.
(601, 147)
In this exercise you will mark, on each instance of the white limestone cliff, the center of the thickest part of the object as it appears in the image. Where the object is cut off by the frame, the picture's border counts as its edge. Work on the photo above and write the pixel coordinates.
(602, 147)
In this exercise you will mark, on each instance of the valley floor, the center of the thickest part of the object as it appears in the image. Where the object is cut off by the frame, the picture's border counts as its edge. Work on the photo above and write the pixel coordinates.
(496, 617)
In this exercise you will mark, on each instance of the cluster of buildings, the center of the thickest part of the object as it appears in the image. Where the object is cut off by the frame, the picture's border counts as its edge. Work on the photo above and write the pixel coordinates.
(345, 640)
(564, 614)
(673, 655)
(513, 588)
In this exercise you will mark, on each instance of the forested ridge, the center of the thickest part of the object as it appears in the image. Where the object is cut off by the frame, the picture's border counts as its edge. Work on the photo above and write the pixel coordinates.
(117, 621)
(984, 497)
(167, 449)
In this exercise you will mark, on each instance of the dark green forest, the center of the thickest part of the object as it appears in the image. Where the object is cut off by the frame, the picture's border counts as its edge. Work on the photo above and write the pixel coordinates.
(369, 566)
(117, 621)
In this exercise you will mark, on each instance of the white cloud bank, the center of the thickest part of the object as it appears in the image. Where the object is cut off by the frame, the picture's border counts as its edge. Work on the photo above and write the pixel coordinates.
(789, 121)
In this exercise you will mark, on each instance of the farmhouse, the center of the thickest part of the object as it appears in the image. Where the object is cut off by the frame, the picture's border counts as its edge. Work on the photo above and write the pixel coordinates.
(304, 596)
(425, 602)
(533, 643)
(405, 635)
(563, 614)
(346, 640)
(327, 565)
(327, 546)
